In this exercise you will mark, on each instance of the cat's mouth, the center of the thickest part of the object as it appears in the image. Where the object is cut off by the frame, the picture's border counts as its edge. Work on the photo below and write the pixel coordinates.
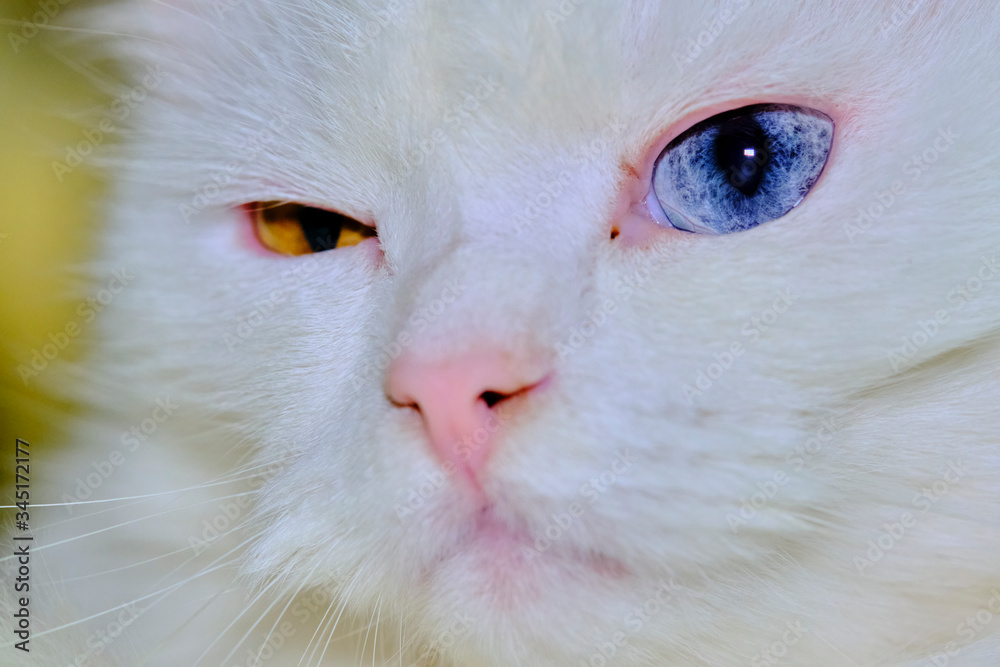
(510, 560)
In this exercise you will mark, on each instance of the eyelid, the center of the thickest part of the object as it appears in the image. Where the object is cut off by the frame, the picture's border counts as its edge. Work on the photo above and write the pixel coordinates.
(365, 219)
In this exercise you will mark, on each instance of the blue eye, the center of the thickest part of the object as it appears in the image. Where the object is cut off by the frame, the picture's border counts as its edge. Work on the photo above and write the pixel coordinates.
(740, 168)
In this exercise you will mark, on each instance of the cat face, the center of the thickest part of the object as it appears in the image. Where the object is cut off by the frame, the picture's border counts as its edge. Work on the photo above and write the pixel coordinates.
(533, 414)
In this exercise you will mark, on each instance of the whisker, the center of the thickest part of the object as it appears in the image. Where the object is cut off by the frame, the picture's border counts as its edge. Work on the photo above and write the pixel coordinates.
(126, 604)
(222, 480)
(320, 624)
(403, 645)
(249, 605)
(378, 604)
(165, 591)
(343, 606)
(131, 521)
(83, 31)
(361, 653)
(180, 628)
(123, 567)
(319, 561)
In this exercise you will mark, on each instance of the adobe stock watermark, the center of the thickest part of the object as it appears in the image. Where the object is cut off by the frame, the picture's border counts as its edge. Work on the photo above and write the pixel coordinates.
(264, 308)
(248, 324)
(223, 7)
(231, 510)
(131, 440)
(607, 648)
(471, 102)
(900, 13)
(751, 330)
(303, 609)
(102, 639)
(416, 324)
(384, 17)
(562, 11)
(595, 318)
(884, 199)
(768, 488)
(554, 186)
(924, 501)
(87, 311)
(417, 497)
(209, 191)
(119, 110)
(968, 630)
(712, 28)
(32, 25)
(624, 289)
(906, 355)
(446, 639)
(778, 650)
(589, 493)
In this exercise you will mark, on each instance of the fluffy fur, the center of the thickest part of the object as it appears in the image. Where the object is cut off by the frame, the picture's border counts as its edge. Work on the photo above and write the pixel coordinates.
(283, 438)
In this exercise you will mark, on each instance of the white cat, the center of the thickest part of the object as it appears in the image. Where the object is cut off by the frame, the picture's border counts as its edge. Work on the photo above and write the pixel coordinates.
(605, 389)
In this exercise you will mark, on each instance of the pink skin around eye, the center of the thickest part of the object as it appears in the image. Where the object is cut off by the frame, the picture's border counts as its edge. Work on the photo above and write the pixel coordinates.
(246, 237)
(373, 249)
(632, 220)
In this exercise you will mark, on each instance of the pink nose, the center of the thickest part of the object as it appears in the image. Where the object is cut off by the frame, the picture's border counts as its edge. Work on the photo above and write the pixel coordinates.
(455, 398)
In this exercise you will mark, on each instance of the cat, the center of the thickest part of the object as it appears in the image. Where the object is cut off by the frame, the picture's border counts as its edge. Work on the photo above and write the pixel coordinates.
(570, 333)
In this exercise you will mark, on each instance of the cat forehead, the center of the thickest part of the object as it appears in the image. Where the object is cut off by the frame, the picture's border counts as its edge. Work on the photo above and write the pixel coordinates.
(359, 89)
(579, 58)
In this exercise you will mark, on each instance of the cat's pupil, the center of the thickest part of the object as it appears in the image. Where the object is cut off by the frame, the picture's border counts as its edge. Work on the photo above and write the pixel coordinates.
(320, 228)
(741, 152)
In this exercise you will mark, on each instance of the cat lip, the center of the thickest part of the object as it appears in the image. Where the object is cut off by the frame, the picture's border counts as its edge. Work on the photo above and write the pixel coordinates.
(511, 549)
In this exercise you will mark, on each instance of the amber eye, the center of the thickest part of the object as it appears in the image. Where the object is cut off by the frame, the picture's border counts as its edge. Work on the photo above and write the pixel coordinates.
(294, 229)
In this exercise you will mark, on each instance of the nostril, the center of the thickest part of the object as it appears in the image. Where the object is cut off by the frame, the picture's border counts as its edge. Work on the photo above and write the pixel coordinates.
(460, 399)
(491, 398)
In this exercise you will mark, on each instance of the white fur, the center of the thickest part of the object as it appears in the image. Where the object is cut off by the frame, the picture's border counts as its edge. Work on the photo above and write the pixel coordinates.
(301, 389)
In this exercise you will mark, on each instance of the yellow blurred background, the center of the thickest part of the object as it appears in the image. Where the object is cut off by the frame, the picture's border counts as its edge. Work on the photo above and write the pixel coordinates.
(46, 226)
